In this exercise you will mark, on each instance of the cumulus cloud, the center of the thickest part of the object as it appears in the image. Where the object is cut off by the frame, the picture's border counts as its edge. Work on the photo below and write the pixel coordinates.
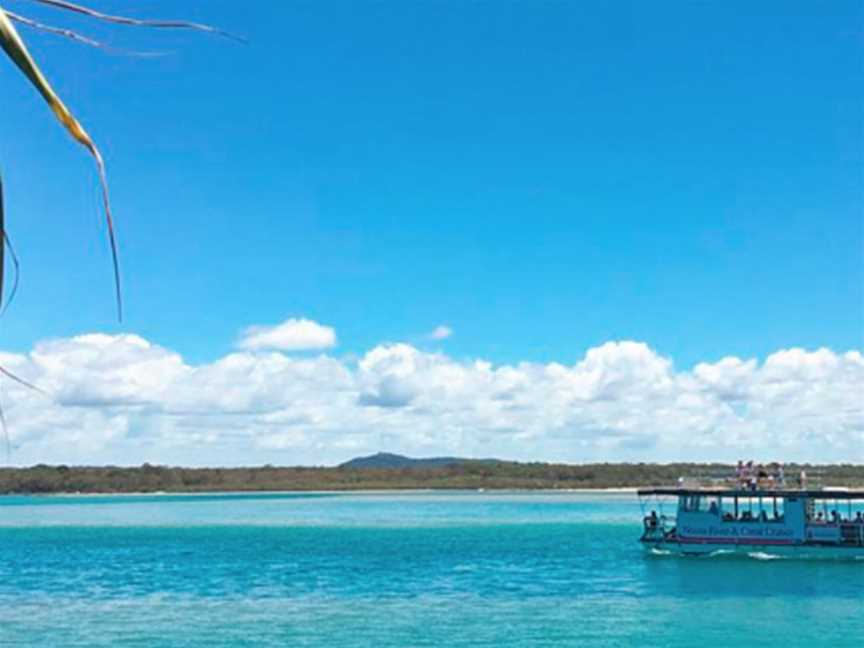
(123, 399)
(290, 335)
(441, 332)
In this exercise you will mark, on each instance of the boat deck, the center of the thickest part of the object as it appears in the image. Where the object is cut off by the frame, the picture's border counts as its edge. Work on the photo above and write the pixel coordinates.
(830, 493)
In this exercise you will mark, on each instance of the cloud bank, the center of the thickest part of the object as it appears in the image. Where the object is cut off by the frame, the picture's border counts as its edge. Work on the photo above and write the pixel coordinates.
(122, 399)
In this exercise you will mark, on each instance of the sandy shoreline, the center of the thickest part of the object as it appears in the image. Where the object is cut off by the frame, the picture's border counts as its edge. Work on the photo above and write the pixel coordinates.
(370, 491)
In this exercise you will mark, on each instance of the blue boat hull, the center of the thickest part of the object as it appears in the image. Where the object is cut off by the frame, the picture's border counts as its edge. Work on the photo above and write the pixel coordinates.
(804, 550)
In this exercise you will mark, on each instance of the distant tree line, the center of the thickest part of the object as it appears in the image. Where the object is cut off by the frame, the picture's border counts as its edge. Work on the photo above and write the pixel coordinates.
(44, 479)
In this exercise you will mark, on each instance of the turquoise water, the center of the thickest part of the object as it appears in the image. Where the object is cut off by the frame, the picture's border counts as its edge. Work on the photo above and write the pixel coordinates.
(465, 569)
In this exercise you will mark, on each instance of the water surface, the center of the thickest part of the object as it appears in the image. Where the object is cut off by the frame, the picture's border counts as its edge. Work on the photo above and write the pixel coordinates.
(421, 569)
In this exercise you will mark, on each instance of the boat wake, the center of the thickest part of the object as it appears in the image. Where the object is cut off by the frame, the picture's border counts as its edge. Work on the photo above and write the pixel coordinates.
(720, 552)
(761, 555)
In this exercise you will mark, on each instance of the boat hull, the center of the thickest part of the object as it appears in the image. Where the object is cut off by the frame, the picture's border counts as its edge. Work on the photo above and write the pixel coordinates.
(804, 550)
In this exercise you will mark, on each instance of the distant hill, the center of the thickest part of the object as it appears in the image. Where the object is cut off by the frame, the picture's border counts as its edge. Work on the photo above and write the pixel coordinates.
(384, 460)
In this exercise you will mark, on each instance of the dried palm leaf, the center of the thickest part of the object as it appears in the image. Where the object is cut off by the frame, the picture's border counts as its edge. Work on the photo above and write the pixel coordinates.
(15, 48)
(2, 240)
(74, 36)
(136, 22)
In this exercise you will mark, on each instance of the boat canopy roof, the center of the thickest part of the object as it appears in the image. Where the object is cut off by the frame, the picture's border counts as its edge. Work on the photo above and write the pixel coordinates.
(828, 493)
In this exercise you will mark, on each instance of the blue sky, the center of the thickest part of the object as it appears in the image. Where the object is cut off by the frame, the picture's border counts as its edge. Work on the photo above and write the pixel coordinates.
(541, 177)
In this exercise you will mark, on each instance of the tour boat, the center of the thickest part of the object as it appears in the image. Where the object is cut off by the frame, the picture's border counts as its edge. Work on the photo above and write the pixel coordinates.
(808, 523)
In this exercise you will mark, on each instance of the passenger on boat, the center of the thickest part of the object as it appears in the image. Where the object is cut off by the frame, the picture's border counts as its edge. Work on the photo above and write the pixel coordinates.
(741, 474)
(652, 520)
(859, 518)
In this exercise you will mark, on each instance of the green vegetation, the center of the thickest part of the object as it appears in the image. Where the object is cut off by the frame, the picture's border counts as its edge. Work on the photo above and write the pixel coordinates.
(44, 479)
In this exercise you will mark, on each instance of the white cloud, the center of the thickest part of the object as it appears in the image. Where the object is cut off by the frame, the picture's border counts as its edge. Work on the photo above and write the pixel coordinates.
(441, 332)
(290, 335)
(122, 399)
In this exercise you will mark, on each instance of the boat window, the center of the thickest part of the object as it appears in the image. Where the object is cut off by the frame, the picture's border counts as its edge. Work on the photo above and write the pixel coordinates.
(767, 509)
(778, 512)
(690, 503)
(729, 508)
(746, 511)
(704, 504)
(834, 512)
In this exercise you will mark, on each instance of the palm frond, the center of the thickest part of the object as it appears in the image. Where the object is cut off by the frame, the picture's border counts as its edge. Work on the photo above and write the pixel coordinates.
(73, 35)
(16, 265)
(59, 31)
(6, 243)
(2, 246)
(136, 22)
(15, 48)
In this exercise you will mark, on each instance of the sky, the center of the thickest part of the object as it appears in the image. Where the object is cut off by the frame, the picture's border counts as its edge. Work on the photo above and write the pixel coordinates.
(558, 231)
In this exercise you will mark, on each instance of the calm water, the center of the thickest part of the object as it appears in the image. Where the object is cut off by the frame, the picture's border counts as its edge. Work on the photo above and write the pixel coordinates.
(392, 570)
